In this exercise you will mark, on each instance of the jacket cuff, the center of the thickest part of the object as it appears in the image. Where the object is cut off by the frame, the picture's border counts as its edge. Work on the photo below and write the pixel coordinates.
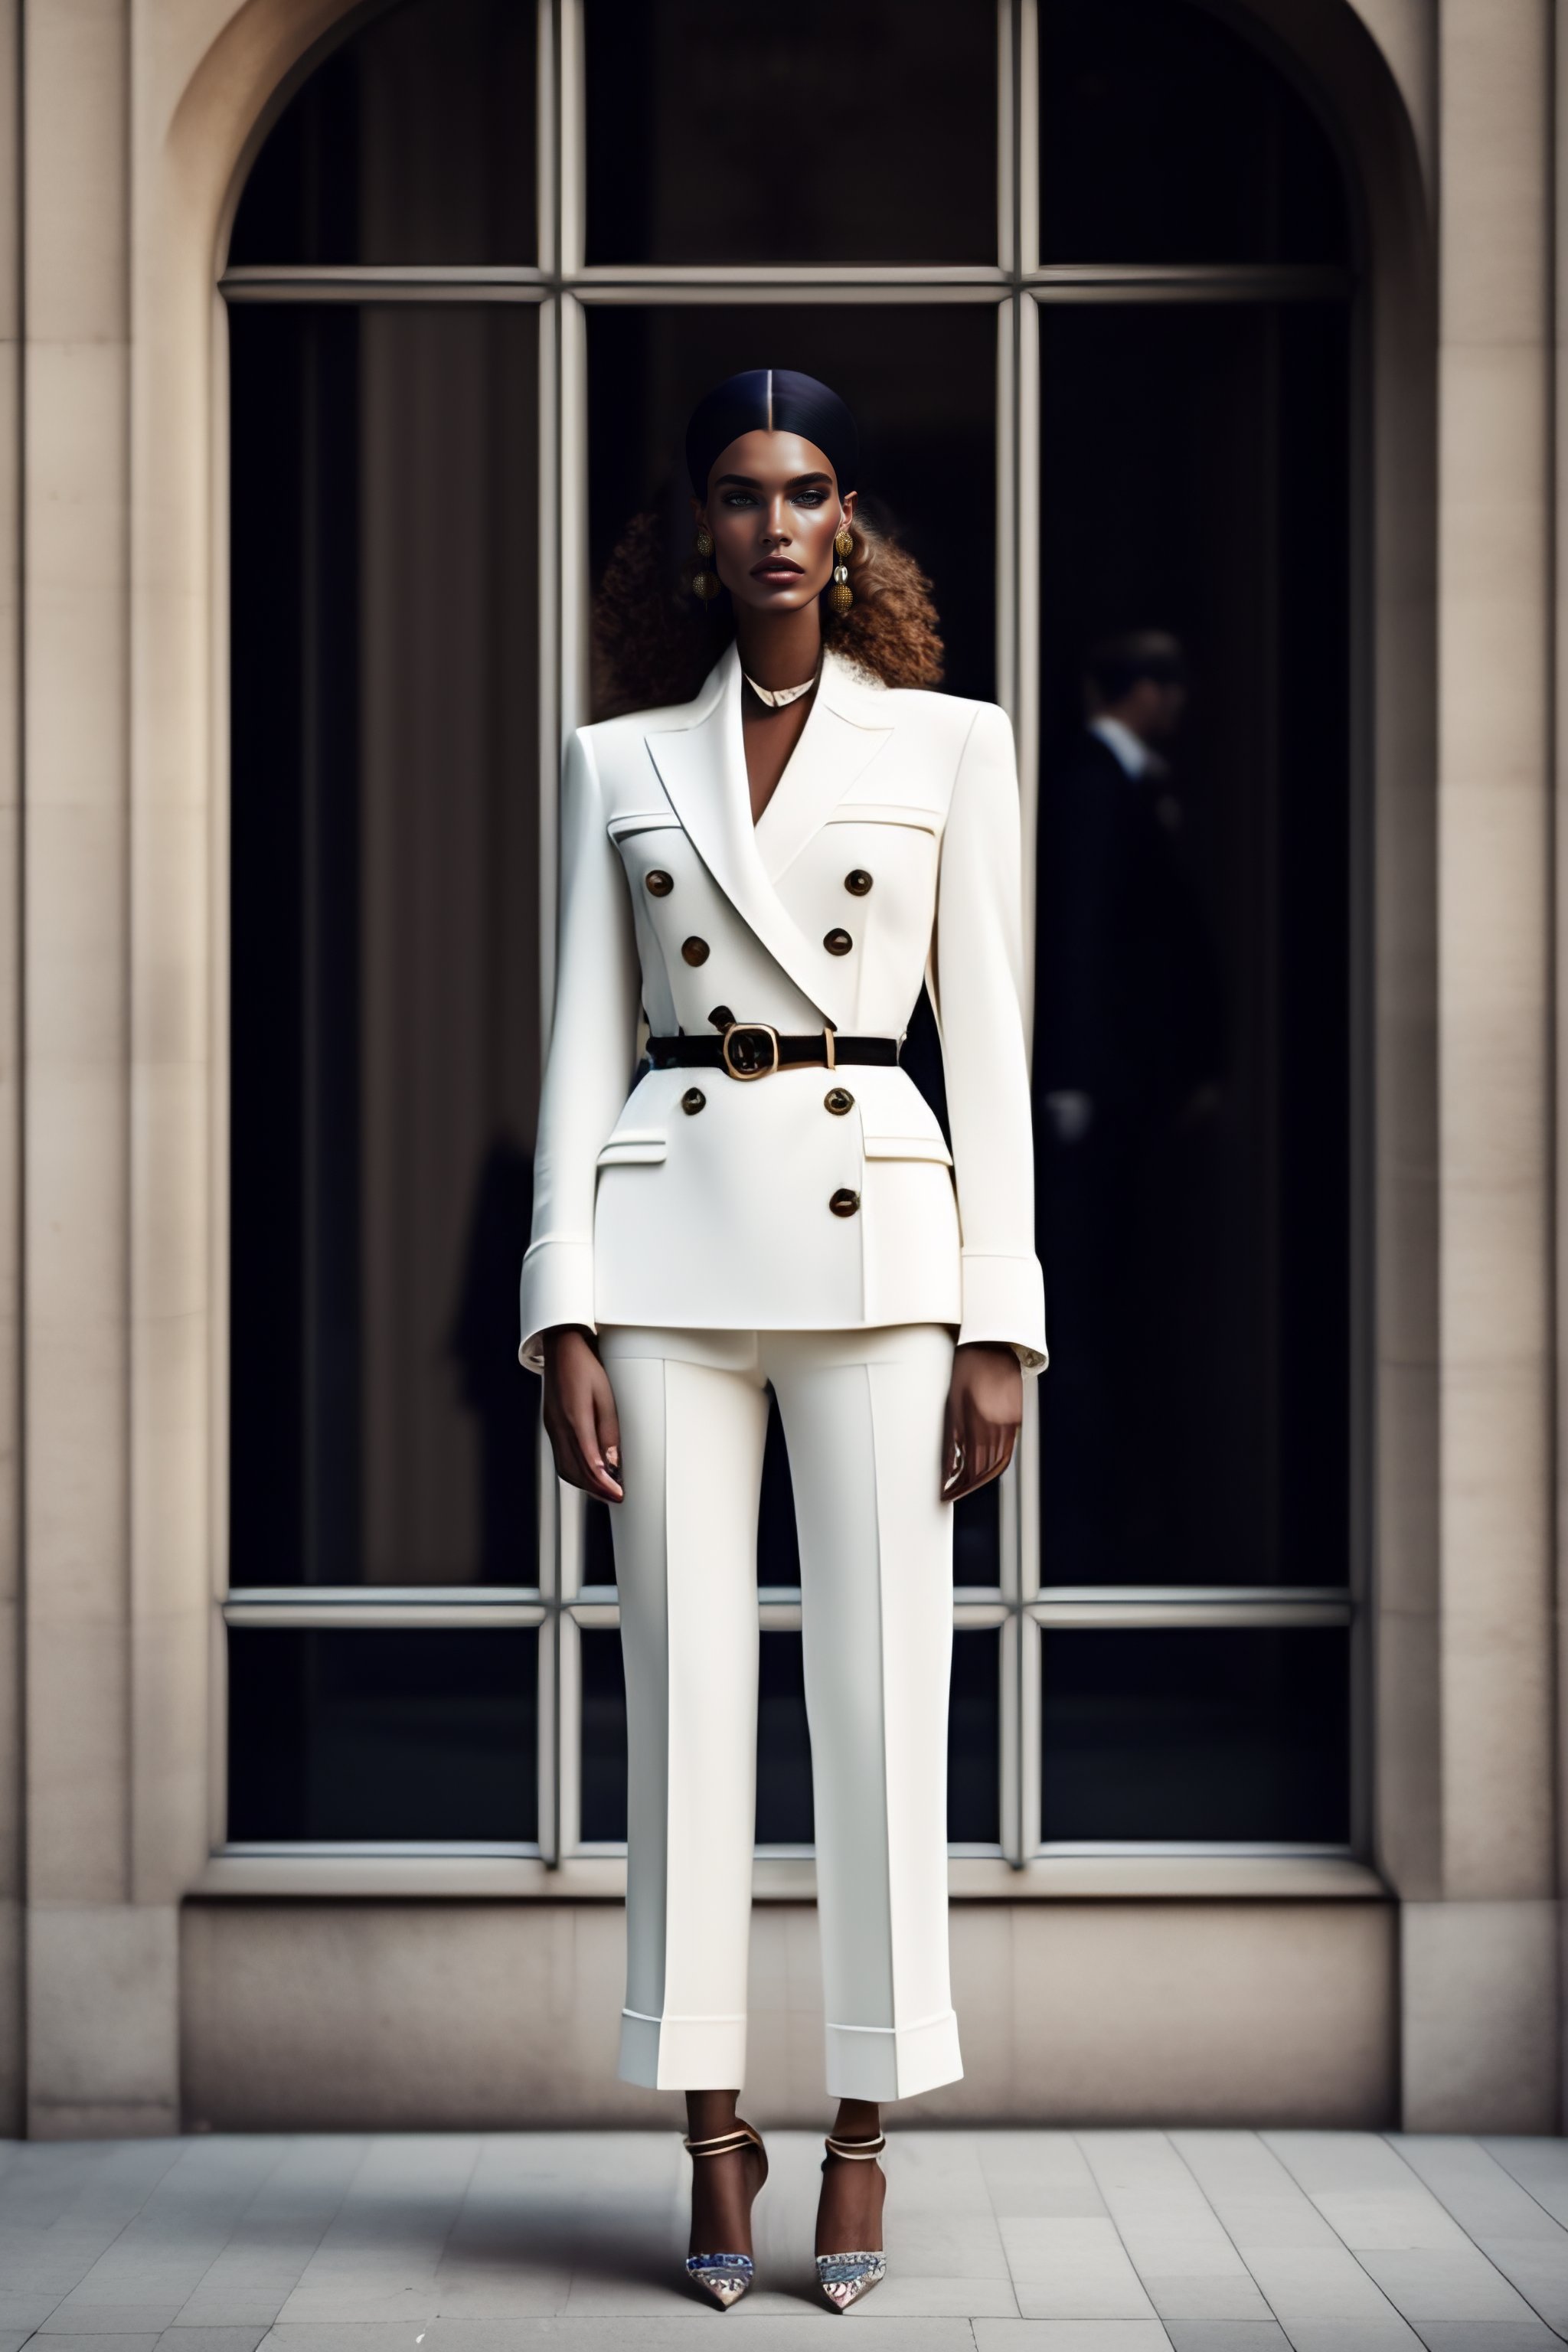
(557, 1287)
(1004, 1306)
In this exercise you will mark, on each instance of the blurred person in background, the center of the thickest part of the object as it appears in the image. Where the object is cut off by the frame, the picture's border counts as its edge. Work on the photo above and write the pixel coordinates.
(1130, 1051)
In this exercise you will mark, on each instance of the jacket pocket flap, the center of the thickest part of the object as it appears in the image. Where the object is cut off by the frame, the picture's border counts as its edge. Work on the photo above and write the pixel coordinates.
(633, 1150)
(906, 1147)
(924, 820)
(621, 828)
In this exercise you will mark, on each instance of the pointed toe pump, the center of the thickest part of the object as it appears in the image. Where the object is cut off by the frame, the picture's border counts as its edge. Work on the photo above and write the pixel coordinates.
(845, 2278)
(726, 2277)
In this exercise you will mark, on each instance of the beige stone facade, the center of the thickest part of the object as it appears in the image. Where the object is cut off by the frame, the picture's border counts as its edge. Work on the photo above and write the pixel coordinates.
(146, 1985)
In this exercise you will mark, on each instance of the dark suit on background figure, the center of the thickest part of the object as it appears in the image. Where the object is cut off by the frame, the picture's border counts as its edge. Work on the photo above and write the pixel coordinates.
(1130, 1048)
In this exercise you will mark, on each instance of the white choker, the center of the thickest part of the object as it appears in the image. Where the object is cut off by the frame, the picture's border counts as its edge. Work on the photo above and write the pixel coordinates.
(779, 698)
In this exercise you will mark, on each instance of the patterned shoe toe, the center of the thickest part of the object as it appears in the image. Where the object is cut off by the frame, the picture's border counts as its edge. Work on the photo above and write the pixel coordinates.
(845, 2278)
(725, 2276)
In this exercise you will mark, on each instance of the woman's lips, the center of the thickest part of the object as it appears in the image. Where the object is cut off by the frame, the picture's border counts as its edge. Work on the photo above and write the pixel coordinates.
(777, 569)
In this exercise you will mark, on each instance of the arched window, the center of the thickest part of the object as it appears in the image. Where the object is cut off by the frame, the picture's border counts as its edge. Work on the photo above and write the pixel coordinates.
(1084, 273)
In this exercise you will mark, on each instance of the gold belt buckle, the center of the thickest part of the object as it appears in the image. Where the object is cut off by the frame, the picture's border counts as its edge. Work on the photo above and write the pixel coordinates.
(749, 1064)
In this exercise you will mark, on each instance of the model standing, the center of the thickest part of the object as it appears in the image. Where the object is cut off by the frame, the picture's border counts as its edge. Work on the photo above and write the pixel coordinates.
(768, 873)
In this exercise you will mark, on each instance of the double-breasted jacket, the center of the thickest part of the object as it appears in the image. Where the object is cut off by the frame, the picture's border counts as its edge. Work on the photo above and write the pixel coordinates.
(887, 855)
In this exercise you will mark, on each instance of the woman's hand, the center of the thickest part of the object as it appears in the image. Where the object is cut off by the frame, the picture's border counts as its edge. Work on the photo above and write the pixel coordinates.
(984, 1411)
(580, 1413)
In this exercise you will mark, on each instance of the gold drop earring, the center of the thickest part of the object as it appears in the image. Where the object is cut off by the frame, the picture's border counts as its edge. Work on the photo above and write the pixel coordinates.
(840, 596)
(705, 584)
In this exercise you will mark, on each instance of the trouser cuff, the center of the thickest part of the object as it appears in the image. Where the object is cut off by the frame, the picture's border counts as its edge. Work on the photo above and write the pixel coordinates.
(892, 2062)
(683, 2053)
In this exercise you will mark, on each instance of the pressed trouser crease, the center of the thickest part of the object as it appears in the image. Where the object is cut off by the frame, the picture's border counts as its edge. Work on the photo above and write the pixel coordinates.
(862, 1414)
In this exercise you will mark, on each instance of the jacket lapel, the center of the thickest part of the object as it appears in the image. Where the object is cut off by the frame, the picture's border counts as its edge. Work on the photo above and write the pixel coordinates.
(702, 767)
(843, 735)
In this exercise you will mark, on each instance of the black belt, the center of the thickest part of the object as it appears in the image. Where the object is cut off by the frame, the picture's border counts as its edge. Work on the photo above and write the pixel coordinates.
(750, 1049)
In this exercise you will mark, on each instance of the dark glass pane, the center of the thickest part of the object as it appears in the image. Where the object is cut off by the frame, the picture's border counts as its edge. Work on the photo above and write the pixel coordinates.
(783, 1743)
(411, 143)
(973, 1737)
(977, 1538)
(384, 991)
(976, 1527)
(1240, 1733)
(598, 1544)
(922, 383)
(976, 1530)
(978, 1520)
(778, 1551)
(603, 1768)
(783, 1793)
(350, 1735)
(1166, 137)
(1193, 946)
(778, 1548)
(799, 134)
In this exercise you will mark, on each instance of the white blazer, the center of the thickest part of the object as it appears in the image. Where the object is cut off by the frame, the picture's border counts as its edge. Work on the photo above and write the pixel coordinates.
(718, 1218)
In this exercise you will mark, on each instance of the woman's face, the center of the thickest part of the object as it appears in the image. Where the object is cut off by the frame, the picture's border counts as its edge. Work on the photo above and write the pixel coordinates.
(772, 507)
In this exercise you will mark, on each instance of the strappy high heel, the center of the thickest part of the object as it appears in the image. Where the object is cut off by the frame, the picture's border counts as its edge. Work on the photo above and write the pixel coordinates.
(725, 2276)
(845, 2278)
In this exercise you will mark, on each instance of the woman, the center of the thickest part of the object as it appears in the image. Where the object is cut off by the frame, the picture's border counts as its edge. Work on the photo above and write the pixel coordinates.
(770, 871)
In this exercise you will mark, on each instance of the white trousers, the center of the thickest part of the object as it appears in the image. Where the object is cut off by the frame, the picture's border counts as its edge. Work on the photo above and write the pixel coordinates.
(862, 1414)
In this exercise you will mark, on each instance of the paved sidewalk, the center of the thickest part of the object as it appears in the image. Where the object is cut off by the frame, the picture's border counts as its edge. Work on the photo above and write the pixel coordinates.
(999, 2241)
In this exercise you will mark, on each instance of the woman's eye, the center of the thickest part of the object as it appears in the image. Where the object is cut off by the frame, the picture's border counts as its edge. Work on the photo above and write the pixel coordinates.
(810, 498)
(739, 499)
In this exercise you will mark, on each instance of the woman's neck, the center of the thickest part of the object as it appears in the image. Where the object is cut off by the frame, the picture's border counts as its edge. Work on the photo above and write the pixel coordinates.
(779, 648)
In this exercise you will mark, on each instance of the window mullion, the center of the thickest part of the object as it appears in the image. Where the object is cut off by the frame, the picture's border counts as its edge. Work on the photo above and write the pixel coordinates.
(1029, 1673)
(1009, 1761)
(572, 148)
(1007, 645)
(548, 1769)
(573, 493)
(547, 143)
(1006, 138)
(1145, 1608)
(568, 1734)
(1026, 116)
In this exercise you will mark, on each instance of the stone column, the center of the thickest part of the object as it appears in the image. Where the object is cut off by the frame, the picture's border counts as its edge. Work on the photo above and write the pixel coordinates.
(1559, 673)
(12, 2073)
(102, 2040)
(1479, 1966)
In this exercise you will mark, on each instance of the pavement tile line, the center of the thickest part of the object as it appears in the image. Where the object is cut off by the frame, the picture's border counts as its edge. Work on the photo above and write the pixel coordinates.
(1086, 2142)
(84, 2171)
(1419, 2189)
(1200, 2190)
(1521, 2187)
(1294, 2326)
(193, 2155)
(247, 2223)
(1488, 2144)
(1115, 2241)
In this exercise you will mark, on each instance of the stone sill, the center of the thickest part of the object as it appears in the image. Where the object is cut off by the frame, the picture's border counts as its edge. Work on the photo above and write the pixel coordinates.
(778, 1878)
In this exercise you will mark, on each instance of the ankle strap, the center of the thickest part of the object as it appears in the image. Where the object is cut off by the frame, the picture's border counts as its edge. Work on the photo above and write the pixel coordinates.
(724, 2143)
(858, 2151)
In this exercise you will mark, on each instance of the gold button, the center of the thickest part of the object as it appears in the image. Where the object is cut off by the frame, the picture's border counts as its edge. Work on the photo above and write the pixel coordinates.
(838, 1100)
(838, 942)
(695, 950)
(844, 1202)
(692, 1101)
(858, 882)
(658, 885)
(721, 1017)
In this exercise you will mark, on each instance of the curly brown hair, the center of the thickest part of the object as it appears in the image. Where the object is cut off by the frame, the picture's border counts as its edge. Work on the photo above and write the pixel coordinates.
(654, 642)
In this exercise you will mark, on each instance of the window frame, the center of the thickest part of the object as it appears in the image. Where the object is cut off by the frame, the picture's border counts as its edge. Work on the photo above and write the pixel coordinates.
(1016, 286)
